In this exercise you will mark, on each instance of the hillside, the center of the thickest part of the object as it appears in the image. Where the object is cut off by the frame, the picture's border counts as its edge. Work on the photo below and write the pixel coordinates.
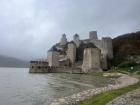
(126, 45)
(12, 62)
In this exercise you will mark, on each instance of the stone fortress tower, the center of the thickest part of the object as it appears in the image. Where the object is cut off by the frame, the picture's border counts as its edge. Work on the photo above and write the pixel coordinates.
(63, 40)
(76, 40)
(93, 35)
(91, 60)
(71, 52)
(107, 47)
(94, 53)
(53, 57)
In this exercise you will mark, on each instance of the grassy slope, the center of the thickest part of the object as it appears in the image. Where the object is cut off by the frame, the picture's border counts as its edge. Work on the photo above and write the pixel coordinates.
(104, 98)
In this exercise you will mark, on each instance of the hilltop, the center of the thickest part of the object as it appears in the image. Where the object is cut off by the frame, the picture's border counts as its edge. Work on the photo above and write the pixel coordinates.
(126, 46)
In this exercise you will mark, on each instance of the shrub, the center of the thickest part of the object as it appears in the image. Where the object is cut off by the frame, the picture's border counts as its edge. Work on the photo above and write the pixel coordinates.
(127, 64)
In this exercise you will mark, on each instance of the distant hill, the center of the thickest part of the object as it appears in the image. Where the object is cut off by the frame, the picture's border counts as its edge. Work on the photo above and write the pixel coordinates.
(126, 46)
(12, 62)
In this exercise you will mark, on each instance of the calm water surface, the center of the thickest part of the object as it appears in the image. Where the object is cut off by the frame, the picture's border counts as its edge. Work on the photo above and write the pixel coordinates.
(18, 87)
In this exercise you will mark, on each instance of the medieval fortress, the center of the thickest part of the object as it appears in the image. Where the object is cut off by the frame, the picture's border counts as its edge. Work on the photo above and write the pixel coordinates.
(77, 56)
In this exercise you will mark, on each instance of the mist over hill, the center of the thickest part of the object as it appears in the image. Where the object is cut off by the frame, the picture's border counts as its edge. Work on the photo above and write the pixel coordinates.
(6, 61)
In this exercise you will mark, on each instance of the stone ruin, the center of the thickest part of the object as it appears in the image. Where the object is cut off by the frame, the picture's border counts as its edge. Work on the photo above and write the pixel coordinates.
(86, 55)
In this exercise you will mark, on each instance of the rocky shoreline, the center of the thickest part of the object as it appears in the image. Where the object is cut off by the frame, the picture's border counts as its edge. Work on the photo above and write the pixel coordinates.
(131, 98)
(123, 81)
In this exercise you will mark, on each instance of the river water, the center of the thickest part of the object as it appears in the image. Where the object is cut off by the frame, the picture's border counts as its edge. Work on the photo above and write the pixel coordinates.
(18, 87)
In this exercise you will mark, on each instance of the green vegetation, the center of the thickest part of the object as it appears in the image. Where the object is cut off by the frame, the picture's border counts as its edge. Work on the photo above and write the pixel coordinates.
(127, 64)
(104, 98)
(129, 67)
(126, 60)
(135, 70)
(125, 46)
(126, 54)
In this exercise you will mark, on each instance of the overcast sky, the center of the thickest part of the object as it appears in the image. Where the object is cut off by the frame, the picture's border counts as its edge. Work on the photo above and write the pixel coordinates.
(28, 28)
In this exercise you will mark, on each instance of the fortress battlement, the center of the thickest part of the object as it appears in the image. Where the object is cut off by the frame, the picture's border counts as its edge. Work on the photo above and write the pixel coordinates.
(87, 55)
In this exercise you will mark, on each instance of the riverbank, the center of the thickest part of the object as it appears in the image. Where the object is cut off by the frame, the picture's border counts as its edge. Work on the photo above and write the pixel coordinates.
(119, 96)
(130, 98)
(121, 82)
(104, 98)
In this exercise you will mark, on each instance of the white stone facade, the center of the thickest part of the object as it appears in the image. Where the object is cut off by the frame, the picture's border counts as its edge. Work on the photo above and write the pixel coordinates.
(107, 47)
(71, 53)
(94, 57)
(91, 60)
(53, 59)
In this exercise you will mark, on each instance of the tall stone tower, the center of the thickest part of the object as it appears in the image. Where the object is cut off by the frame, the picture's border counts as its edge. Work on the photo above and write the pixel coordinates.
(93, 35)
(76, 40)
(53, 58)
(107, 47)
(71, 52)
(91, 61)
(63, 40)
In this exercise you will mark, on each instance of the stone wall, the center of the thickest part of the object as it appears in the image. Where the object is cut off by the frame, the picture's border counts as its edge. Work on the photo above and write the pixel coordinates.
(39, 67)
(71, 53)
(104, 63)
(96, 60)
(53, 58)
(107, 47)
(91, 60)
(97, 43)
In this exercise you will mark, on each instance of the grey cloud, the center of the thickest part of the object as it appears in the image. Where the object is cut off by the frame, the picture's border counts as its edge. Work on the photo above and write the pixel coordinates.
(30, 27)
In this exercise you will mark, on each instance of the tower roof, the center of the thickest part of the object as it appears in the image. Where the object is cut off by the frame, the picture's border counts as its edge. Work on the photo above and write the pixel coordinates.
(76, 35)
